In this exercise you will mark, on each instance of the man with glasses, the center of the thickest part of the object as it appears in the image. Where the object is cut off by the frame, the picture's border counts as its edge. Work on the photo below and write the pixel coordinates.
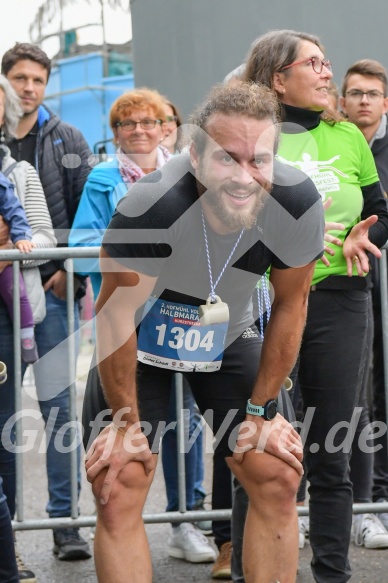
(364, 101)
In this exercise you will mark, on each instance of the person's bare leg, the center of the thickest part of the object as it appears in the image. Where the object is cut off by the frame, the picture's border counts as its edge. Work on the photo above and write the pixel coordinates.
(270, 547)
(121, 550)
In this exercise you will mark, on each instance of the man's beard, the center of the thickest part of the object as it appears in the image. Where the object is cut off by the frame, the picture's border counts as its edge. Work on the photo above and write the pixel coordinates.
(239, 218)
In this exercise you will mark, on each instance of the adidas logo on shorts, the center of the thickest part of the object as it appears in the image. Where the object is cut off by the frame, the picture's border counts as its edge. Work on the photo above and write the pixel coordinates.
(249, 333)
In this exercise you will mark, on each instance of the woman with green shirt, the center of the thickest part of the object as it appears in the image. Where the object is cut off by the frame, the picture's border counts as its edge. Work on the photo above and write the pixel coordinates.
(336, 156)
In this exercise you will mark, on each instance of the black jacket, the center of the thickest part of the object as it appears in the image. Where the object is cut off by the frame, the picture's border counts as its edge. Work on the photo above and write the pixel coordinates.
(380, 154)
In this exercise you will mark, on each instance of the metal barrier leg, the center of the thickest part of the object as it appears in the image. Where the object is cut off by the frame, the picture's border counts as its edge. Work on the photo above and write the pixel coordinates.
(384, 316)
(180, 442)
(18, 391)
(72, 389)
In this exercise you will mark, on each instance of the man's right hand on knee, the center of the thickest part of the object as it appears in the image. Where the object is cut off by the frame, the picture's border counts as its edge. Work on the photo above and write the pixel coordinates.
(114, 448)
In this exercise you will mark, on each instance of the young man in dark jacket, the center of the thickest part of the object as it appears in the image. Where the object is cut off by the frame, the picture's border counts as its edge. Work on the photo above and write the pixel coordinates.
(60, 154)
(365, 102)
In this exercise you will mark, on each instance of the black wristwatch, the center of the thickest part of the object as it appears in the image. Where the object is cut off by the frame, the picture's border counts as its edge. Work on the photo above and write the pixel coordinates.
(268, 411)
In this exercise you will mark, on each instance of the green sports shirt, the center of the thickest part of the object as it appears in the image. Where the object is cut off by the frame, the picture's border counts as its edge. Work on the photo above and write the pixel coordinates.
(339, 161)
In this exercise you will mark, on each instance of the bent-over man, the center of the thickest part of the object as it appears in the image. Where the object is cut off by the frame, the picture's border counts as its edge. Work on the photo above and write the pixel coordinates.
(182, 257)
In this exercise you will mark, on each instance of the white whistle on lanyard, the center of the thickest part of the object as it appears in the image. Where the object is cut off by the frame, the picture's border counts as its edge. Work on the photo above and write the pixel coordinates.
(213, 312)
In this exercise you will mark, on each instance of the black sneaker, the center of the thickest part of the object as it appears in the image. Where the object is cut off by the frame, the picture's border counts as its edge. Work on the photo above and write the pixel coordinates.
(25, 575)
(69, 544)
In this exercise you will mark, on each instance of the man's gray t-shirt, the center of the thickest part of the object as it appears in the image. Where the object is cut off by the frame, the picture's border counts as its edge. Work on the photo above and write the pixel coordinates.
(157, 230)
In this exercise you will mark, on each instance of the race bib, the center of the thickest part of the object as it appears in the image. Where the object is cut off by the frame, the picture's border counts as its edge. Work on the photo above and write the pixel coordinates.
(171, 336)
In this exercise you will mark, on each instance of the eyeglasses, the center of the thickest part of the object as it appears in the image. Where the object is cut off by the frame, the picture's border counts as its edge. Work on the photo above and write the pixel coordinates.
(316, 63)
(128, 125)
(358, 95)
(171, 119)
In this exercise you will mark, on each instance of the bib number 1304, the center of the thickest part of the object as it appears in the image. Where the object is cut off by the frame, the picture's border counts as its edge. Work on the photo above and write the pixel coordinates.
(190, 340)
(171, 336)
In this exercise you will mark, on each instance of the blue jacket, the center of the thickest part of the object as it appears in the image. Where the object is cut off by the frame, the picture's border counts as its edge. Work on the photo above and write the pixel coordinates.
(13, 212)
(102, 191)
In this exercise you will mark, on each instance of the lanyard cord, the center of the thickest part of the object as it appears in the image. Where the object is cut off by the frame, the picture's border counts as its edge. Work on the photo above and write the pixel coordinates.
(263, 293)
(213, 286)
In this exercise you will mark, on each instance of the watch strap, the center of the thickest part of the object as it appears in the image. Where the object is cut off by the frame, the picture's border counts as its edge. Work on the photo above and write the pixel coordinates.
(257, 410)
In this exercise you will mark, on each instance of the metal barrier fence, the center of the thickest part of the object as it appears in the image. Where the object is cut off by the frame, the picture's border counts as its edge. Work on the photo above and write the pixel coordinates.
(182, 515)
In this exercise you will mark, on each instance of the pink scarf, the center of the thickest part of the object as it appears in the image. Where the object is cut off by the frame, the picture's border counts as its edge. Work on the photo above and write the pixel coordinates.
(131, 172)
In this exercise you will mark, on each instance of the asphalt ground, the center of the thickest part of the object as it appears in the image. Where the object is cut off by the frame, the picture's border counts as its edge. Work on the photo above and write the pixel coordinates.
(35, 547)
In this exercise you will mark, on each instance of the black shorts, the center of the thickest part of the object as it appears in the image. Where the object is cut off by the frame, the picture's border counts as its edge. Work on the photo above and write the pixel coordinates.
(221, 396)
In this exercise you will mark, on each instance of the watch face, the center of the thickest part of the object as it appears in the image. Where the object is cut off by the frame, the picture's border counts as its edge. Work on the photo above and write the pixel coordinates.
(271, 410)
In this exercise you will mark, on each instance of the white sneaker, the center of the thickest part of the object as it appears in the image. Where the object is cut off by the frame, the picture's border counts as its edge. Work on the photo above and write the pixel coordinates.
(304, 529)
(383, 516)
(369, 532)
(188, 543)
